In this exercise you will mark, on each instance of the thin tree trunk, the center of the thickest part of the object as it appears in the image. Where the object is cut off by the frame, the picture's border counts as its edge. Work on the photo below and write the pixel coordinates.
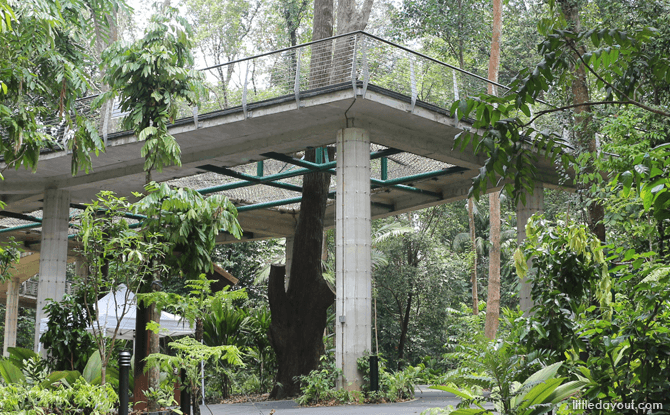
(153, 374)
(473, 278)
(404, 326)
(493, 301)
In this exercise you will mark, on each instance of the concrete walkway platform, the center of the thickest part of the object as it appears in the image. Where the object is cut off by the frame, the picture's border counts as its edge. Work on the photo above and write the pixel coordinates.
(425, 399)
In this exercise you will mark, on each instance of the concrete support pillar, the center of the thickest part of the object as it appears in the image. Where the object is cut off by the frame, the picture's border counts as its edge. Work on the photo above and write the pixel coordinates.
(53, 254)
(534, 204)
(81, 268)
(353, 260)
(289, 259)
(11, 313)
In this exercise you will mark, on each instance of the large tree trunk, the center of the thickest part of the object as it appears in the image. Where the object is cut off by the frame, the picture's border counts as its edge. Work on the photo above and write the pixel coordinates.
(299, 313)
(493, 301)
(584, 134)
(473, 276)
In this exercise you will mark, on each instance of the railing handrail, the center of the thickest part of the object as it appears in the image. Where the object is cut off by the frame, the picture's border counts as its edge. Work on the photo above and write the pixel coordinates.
(362, 32)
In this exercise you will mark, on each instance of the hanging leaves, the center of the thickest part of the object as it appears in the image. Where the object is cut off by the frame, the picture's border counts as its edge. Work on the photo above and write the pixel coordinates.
(150, 78)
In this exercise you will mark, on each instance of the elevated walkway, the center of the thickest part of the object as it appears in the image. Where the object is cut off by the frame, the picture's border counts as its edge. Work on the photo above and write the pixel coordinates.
(383, 105)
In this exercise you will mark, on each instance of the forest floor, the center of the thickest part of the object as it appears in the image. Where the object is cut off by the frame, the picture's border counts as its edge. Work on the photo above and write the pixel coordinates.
(424, 399)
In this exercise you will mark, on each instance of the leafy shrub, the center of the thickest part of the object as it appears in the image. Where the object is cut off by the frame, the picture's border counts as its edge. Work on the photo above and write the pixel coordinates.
(318, 386)
(79, 398)
(496, 368)
(66, 338)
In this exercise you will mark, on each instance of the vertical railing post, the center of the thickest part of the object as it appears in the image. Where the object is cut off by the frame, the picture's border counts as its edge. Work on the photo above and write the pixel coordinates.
(412, 80)
(244, 92)
(195, 116)
(366, 70)
(353, 65)
(296, 84)
(124, 374)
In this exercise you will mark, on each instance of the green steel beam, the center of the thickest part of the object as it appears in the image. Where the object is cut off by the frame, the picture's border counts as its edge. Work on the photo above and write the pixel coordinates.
(273, 203)
(250, 180)
(125, 214)
(19, 227)
(395, 184)
(327, 165)
(21, 216)
(427, 175)
(385, 168)
(292, 200)
(259, 168)
(376, 183)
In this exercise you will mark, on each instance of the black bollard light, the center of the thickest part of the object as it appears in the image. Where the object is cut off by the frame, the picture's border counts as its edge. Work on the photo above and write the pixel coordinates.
(185, 406)
(124, 374)
(374, 373)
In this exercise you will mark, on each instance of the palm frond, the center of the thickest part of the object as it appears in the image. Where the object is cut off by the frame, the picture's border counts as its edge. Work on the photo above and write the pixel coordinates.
(391, 230)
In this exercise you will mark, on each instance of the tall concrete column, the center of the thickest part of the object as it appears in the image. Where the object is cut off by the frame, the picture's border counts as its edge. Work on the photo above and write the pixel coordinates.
(53, 253)
(289, 259)
(11, 313)
(534, 204)
(353, 258)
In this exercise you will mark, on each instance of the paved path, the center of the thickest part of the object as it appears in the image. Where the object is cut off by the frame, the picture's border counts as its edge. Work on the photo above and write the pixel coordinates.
(425, 398)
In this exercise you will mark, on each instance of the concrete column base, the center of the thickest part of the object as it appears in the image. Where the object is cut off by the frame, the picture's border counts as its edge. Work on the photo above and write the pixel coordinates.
(534, 204)
(11, 314)
(53, 254)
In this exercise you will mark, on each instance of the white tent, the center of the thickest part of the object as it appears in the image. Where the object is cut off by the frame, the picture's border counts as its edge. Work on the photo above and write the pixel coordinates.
(110, 311)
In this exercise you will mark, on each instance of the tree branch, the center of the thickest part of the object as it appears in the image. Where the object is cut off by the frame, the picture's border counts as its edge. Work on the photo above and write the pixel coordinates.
(630, 101)
(545, 112)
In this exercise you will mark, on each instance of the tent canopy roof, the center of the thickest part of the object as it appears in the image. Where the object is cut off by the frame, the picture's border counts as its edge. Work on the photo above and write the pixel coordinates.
(120, 308)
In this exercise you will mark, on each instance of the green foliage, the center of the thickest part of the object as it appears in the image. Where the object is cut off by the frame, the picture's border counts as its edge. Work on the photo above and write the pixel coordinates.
(150, 77)
(570, 274)
(115, 255)
(623, 70)
(393, 386)
(25, 366)
(79, 397)
(189, 222)
(188, 355)
(66, 338)
(163, 395)
(628, 355)
(318, 386)
(44, 68)
(10, 253)
(496, 367)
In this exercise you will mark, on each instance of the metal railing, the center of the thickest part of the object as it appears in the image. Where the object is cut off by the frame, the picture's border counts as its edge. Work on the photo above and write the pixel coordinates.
(354, 59)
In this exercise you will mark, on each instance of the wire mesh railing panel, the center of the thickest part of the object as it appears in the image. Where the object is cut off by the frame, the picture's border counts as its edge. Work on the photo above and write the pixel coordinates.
(347, 59)
(411, 74)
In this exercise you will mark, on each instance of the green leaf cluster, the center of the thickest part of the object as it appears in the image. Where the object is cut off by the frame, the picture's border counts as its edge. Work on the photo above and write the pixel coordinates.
(149, 78)
(45, 68)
